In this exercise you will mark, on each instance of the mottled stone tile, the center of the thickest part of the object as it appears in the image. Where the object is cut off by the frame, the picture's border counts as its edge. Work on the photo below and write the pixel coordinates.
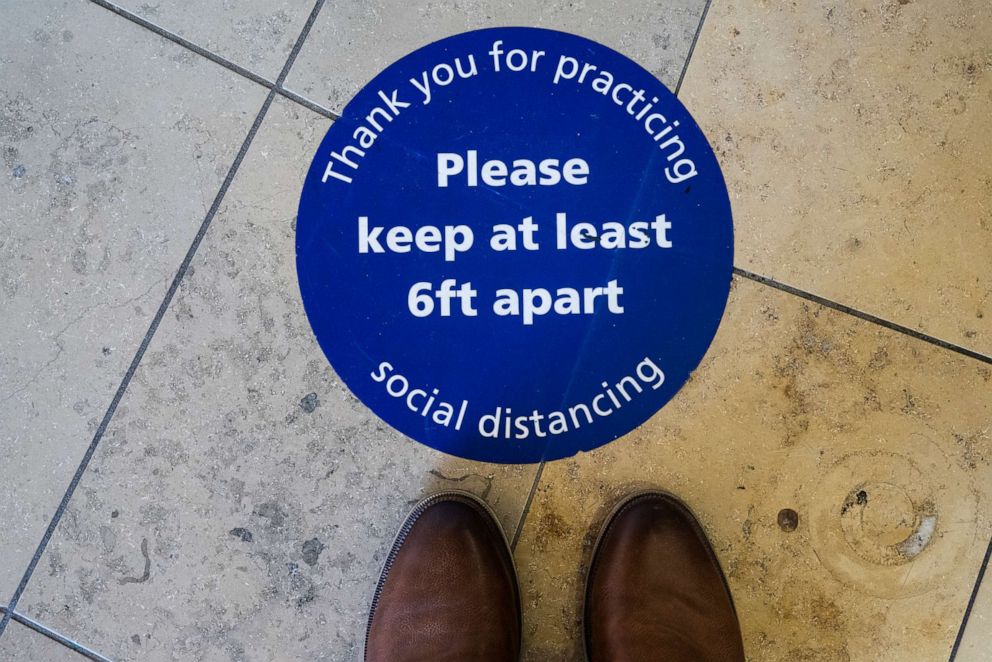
(864, 432)
(242, 501)
(977, 640)
(20, 643)
(256, 34)
(113, 143)
(854, 139)
(353, 40)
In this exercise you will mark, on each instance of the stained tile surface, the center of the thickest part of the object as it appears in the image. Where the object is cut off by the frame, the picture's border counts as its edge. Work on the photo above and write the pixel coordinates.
(877, 440)
(854, 139)
(243, 501)
(109, 165)
(256, 34)
(353, 40)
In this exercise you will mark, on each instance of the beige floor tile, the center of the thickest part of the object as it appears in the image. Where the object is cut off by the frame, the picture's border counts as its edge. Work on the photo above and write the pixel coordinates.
(866, 433)
(353, 40)
(976, 645)
(22, 644)
(113, 143)
(256, 34)
(242, 501)
(854, 139)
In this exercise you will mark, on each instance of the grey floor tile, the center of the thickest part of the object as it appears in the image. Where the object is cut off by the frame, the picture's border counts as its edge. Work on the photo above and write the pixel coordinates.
(256, 34)
(976, 644)
(113, 143)
(354, 39)
(20, 643)
(242, 501)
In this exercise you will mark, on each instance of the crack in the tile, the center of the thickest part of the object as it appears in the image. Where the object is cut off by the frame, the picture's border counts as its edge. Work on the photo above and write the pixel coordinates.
(57, 338)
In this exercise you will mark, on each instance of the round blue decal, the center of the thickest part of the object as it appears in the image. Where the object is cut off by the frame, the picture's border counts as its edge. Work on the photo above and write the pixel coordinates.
(514, 245)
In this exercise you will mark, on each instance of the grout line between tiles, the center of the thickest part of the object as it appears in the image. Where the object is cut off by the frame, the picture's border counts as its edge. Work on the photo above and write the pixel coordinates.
(217, 59)
(307, 103)
(868, 317)
(160, 313)
(692, 47)
(523, 514)
(971, 602)
(55, 636)
(185, 43)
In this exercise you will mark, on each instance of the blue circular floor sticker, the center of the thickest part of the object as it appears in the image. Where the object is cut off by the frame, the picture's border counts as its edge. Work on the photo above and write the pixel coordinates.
(514, 245)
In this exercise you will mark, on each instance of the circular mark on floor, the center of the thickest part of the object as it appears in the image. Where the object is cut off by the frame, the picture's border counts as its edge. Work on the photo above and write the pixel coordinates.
(892, 524)
(884, 525)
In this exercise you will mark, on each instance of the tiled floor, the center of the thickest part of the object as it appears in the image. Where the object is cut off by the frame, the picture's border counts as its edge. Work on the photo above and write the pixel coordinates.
(234, 501)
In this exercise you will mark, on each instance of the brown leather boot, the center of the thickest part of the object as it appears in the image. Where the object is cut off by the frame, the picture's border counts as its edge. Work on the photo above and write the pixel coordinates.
(655, 591)
(448, 591)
